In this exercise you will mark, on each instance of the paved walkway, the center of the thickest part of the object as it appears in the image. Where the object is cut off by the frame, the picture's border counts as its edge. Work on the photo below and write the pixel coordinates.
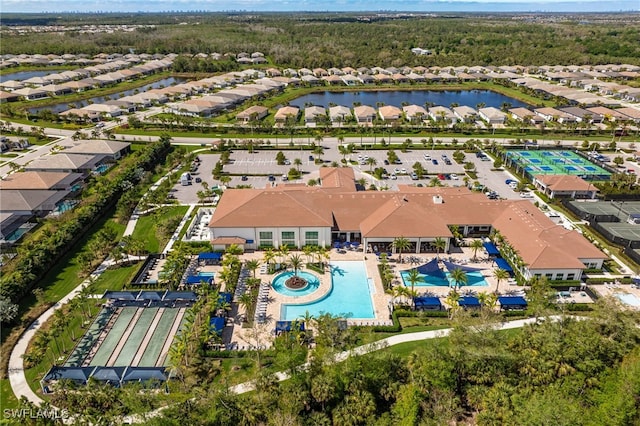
(17, 379)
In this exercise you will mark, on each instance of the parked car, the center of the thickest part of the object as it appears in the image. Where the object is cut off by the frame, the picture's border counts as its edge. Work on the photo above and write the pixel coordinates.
(414, 176)
(386, 162)
(427, 157)
(287, 162)
(393, 176)
(397, 161)
(311, 158)
(272, 178)
(453, 176)
(198, 180)
(285, 178)
(244, 178)
(441, 176)
(435, 162)
(526, 195)
(447, 162)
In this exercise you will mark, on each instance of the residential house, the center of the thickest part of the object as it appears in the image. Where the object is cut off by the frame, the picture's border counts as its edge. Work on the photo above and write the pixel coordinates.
(492, 115)
(54, 181)
(339, 114)
(465, 114)
(440, 113)
(314, 114)
(253, 113)
(415, 113)
(69, 163)
(364, 114)
(111, 150)
(526, 116)
(286, 113)
(390, 113)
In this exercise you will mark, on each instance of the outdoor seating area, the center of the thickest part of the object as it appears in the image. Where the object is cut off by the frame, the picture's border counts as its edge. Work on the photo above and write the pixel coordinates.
(263, 300)
(347, 245)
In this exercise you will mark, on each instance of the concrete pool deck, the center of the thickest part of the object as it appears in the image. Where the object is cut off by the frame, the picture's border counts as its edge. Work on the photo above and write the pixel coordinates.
(235, 336)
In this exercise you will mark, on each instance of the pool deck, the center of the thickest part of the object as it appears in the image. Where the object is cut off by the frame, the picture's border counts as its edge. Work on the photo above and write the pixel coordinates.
(261, 334)
(612, 288)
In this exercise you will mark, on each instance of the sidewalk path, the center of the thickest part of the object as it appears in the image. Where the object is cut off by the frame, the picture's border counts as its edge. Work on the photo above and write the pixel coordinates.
(17, 378)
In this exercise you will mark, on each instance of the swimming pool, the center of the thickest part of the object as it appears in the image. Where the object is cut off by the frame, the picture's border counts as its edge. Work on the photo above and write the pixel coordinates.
(629, 299)
(349, 297)
(473, 279)
(279, 284)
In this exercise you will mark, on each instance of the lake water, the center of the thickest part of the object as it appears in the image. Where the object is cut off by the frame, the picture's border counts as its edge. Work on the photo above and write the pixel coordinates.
(58, 108)
(396, 98)
(25, 75)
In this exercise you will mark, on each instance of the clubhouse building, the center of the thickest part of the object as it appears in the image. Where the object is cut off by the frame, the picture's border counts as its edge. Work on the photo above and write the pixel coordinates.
(299, 215)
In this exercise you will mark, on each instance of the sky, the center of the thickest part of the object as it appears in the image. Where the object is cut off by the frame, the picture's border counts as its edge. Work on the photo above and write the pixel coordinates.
(40, 6)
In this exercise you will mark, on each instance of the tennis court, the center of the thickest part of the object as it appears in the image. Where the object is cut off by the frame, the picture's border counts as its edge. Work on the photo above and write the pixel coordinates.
(625, 231)
(620, 209)
(560, 162)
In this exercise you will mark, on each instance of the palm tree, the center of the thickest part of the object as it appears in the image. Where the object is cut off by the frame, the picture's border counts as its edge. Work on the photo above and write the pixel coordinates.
(296, 262)
(371, 162)
(399, 291)
(252, 265)
(459, 277)
(269, 256)
(283, 252)
(297, 162)
(319, 151)
(452, 300)
(400, 244)
(439, 244)
(500, 275)
(413, 277)
(475, 246)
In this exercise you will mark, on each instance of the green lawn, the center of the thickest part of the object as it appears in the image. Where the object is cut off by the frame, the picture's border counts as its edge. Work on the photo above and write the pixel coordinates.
(115, 279)
(146, 227)
(7, 399)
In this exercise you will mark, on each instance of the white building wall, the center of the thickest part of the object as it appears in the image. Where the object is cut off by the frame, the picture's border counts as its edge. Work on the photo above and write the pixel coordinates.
(556, 274)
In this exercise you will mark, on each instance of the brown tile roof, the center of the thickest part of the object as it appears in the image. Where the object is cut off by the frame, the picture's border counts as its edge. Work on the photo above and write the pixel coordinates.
(228, 240)
(541, 243)
(35, 180)
(266, 208)
(402, 216)
(565, 183)
(338, 177)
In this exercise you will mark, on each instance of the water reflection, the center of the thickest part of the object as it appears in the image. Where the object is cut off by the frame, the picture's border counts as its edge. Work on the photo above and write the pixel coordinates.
(399, 98)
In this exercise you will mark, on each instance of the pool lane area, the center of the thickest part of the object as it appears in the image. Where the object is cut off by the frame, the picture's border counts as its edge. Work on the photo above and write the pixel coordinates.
(349, 296)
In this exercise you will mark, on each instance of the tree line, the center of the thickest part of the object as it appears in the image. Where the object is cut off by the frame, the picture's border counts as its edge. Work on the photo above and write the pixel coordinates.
(291, 40)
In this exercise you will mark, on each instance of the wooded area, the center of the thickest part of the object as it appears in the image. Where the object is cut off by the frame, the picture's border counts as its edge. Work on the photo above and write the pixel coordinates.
(326, 40)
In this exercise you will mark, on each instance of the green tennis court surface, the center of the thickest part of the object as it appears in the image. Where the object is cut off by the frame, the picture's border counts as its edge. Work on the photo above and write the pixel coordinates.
(561, 162)
(159, 337)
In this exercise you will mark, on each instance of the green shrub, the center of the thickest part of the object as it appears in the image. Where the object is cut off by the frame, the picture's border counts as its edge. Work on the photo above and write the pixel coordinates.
(395, 328)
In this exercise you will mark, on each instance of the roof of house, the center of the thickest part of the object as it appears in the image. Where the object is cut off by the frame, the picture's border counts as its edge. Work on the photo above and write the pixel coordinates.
(97, 146)
(15, 200)
(37, 180)
(287, 111)
(565, 183)
(63, 161)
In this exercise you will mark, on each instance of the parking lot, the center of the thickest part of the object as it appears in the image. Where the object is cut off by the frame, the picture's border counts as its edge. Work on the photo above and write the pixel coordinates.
(260, 169)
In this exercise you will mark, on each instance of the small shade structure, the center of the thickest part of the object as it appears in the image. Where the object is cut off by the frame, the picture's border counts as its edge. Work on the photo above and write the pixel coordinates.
(225, 297)
(180, 295)
(150, 295)
(198, 279)
(144, 374)
(110, 375)
(337, 245)
(432, 268)
(216, 324)
(469, 302)
(503, 264)
(452, 266)
(491, 249)
(115, 376)
(210, 258)
(512, 303)
(282, 326)
(427, 303)
(120, 295)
